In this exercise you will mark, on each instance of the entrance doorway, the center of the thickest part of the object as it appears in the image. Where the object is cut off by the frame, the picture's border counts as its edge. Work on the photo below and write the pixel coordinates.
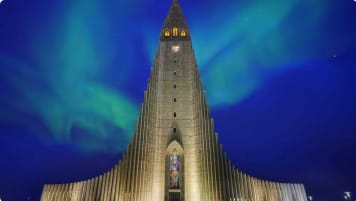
(174, 196)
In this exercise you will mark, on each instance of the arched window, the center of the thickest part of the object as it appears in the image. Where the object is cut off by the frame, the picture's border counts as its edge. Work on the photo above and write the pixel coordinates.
(166, 33)
(175, 31)
(182, 33)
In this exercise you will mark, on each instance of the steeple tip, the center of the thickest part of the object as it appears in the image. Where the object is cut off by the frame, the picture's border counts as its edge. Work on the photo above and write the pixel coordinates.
(175, 26)
(176, 3)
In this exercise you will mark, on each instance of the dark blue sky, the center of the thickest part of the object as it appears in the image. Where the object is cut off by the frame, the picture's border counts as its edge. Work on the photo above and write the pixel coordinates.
(280, 79)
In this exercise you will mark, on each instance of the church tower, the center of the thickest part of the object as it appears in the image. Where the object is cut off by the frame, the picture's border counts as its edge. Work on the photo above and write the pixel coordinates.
(174, 154)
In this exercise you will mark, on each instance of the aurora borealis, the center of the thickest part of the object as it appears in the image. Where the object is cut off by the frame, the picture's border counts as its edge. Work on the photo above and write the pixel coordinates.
(279, 78)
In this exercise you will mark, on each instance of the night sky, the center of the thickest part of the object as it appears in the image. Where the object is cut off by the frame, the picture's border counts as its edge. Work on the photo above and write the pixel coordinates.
(279, 76)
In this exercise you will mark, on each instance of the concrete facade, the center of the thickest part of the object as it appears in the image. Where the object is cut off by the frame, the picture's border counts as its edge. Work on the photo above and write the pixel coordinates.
(174, 122)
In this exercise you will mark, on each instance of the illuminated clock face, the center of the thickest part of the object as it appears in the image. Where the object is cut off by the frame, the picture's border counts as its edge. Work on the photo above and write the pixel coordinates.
(175, 48)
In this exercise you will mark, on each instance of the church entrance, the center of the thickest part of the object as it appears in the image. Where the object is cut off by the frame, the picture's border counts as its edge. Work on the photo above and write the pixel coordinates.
(174, 196)
(174, 172)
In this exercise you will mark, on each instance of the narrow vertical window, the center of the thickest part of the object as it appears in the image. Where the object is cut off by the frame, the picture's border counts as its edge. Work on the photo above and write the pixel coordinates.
(174, 73)
(182, 33)
(175, 31)
(174, 130)
(174, 86)
(174, 114)
(174, 99)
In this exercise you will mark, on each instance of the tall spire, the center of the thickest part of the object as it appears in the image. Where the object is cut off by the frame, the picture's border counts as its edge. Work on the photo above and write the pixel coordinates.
(175, 26)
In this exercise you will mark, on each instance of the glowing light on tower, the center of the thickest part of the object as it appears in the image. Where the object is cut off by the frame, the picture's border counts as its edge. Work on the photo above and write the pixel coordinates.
(175, 48)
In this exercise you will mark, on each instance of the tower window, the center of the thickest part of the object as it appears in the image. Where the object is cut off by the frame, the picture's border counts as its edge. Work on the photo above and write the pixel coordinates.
(174, 86)
(174, 130)
(166, 33)
(174, 61)
(175, 31)
(174, 114)
(174, 99)
(183, 33)
(174, 73)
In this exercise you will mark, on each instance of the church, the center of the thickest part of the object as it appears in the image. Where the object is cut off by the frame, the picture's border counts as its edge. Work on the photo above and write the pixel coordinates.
(174, 154)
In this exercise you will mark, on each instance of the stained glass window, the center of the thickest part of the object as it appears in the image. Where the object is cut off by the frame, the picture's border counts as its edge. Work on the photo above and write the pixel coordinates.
(174, 166)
